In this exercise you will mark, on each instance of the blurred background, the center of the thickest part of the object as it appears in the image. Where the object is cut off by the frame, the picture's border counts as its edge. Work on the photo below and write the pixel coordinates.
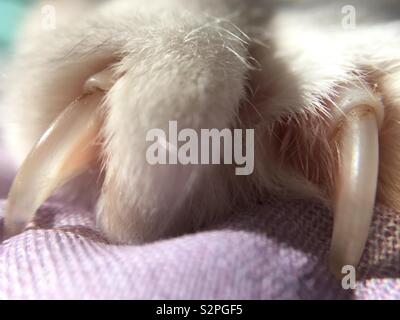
(11, 14)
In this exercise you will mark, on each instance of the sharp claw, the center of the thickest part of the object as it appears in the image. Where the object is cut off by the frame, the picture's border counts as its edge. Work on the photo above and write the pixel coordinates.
(102, 81)
(64, 151)
(356, 183)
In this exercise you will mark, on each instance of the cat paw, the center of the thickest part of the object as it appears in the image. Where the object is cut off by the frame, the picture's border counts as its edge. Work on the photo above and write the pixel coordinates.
(343, 150)
(184, 68)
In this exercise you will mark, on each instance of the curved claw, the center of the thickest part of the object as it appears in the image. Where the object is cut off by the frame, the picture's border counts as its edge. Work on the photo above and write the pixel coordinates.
(64, 151)
(356, 188)
(357, 179)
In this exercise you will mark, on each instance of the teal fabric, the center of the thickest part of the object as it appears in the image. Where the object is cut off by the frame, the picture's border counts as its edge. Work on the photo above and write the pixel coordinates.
(11, 14)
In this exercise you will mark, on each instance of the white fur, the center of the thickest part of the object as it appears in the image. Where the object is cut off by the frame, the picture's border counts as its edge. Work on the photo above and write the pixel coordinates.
(207, 64)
